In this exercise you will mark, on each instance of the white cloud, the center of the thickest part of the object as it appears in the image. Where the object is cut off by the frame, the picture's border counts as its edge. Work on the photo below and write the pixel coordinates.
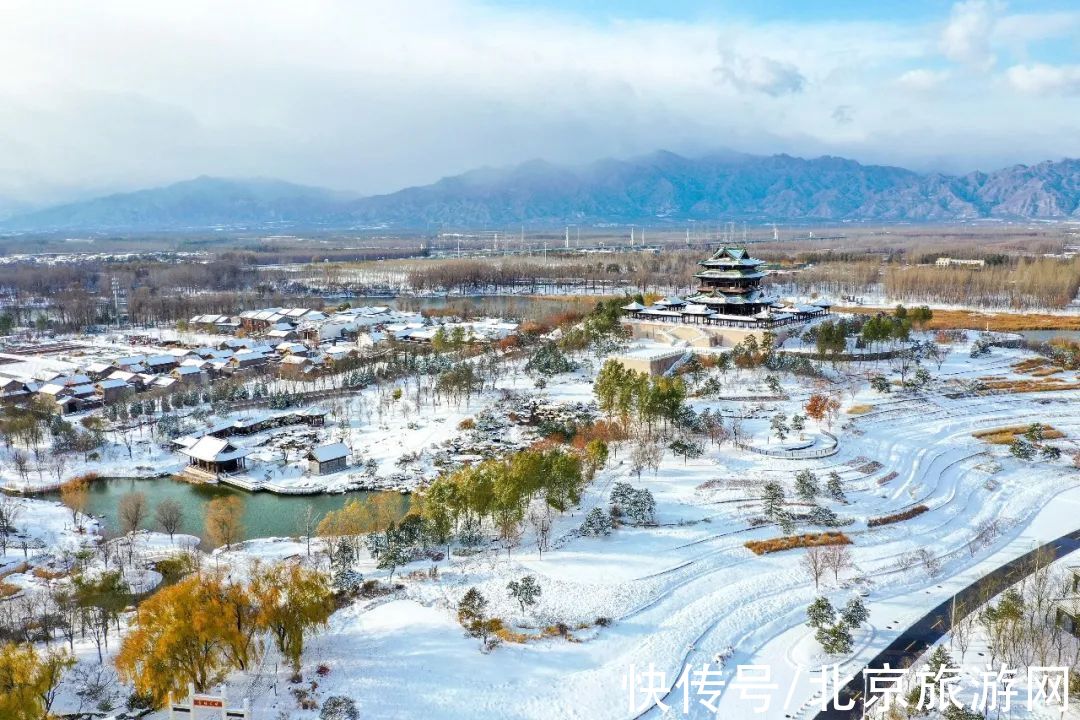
(1023, 28)
(373, 96)
(759, 74)
(1042, 79)
(966, 38)
(922, 80)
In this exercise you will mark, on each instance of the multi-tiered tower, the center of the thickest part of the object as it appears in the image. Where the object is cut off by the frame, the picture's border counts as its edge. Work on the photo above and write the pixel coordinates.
(731, 283)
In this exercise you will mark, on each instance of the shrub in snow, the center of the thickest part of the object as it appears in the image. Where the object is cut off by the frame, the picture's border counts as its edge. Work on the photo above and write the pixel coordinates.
(824, 517)
(980, 347)
(470, 535)
(139, 701)
(953, 712)
(1022, 449)
(881, 384)
(339, 707)
(393, 557)
(785, 520)
(597, 523)
(920, 380)
(931, 563)
(347, 581)
(1050, 452)
(637, 506)
(939, 659)
(897, 517)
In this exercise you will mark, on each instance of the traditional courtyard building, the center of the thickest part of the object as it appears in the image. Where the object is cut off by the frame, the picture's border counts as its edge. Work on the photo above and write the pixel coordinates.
(209, 457)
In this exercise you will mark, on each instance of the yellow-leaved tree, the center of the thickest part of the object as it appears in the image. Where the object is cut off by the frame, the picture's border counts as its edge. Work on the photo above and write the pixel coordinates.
(243, 646)
(292, 601)
(29, 680)
(181, 636)
(224, 520)
(205, 626)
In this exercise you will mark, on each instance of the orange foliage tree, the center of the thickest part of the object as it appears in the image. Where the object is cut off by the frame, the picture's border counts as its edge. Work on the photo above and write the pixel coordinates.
(820, 406)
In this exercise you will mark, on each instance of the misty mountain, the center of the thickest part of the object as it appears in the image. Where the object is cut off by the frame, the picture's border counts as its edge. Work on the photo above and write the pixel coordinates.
(664, 186)
(203, 202)
(659, 188)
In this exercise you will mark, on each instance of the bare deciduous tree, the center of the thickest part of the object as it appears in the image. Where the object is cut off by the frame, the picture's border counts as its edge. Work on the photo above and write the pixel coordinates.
(10, 510)
(307, 521)
(131, 511)
(170, 516)
(815, 562)
(540, 519)
(838, 559)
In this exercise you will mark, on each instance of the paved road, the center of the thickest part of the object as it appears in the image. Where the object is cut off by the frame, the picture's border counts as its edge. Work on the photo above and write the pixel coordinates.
(903, 651)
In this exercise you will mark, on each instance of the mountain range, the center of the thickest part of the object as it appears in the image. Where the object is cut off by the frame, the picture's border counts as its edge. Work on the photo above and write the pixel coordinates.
(660, 188)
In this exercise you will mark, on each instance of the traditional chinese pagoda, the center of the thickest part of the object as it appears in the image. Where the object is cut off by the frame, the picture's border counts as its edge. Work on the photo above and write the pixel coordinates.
(731, 283)
(729, 294)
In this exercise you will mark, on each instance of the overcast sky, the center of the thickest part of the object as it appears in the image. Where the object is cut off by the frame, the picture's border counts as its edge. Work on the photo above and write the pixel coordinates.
(372, 96)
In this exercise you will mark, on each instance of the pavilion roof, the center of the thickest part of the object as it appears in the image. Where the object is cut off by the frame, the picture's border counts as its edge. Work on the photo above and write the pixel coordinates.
(213, 449)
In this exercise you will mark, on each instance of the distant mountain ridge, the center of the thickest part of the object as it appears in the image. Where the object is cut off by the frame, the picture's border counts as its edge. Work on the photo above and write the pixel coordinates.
(200, 203)
(658, 188)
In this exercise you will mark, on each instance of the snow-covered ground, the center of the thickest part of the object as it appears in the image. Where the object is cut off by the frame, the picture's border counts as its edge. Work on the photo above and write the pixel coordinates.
(687, 590)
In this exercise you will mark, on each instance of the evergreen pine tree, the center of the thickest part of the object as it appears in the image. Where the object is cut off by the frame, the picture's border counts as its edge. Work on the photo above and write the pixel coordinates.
(525, 591)
(597, 523)
(620, 495)
(786, 522)
(854, 613)
(939, 659)
(772, 498)
(835, 639)
(820, 613)
(394, 556)
(824, 517)
(472, 607)
(641, 508)
(834, 487)
(806, 485)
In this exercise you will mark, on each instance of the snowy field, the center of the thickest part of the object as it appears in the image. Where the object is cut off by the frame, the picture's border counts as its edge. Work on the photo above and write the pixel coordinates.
(685, 591)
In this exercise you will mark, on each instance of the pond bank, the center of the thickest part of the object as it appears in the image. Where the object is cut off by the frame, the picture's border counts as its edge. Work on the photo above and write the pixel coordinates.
(265, 514)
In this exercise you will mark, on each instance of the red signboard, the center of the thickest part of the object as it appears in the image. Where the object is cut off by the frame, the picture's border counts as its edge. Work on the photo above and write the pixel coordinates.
(207, 702)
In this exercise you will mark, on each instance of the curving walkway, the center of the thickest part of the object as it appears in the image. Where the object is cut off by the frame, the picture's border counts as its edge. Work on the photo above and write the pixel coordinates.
(913, 642)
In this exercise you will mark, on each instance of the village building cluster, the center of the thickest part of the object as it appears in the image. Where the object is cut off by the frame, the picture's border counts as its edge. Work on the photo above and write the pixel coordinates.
(296, 342)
